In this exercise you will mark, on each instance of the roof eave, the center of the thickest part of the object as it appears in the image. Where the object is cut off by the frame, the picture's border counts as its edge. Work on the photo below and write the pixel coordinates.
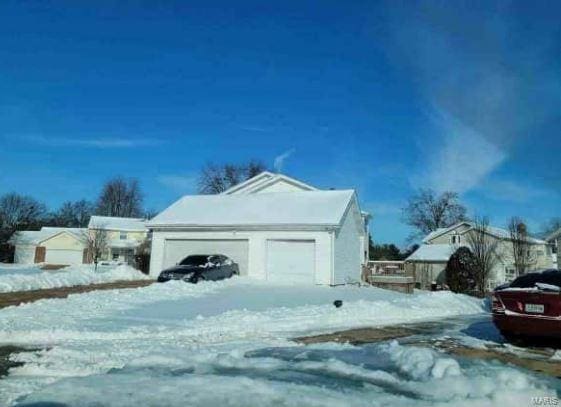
(245, 227)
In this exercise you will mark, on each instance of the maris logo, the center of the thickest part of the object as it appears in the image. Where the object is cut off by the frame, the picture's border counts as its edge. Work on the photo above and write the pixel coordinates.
(545, 401)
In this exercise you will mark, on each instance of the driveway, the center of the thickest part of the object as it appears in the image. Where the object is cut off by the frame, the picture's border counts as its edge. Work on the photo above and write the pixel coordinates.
(473, 337)
(168, 343)
(21, 297)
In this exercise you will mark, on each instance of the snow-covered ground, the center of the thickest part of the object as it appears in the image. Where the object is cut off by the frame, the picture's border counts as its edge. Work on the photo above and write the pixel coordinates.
(17, 277)
(228, 343)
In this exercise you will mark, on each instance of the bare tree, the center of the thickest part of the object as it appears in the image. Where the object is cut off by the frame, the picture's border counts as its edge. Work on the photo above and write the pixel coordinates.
(520, 244)
(550, 227)
(215, 179)
(74, 214)
(484, 248)
(19, 212)
(120, 197)
(426, 211)
(97, 244)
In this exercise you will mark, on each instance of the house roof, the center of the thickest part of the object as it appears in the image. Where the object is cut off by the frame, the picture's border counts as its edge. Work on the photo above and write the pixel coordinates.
(554, 235)
(116, 223)
(34, 237)
(264, 179)
(432, 252)
(307, 208)
(492, 230)
(434, 233)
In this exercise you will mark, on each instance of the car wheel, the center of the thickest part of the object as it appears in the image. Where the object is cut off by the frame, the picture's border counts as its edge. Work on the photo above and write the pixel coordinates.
(511, 337)
(196, 279)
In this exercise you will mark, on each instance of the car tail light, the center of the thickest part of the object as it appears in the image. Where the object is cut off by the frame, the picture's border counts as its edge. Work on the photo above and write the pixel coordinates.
(496, 304)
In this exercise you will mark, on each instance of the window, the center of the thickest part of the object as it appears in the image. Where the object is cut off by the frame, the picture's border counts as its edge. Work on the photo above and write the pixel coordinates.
(455, 239)
(115, 255)
(123, 236)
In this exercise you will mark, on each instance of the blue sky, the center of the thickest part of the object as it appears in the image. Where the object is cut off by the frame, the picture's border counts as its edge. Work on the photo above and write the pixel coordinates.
(384, 97)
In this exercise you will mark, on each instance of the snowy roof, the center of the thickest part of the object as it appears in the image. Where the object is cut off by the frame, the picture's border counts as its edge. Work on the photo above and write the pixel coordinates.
(115, 223)
(554, 235)
(492, 230)
(432, 252)
(280, 208)
(434, 234)
(37, 236)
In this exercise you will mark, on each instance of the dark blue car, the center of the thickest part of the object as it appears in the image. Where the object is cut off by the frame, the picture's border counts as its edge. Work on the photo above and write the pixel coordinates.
(199, 267)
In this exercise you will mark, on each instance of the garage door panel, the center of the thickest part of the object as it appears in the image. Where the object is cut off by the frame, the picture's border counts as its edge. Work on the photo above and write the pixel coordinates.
(291, 261)
(177, 250)
(65, 257)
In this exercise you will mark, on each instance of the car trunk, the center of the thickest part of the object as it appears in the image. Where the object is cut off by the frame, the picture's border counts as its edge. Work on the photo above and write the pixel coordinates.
(531, 302)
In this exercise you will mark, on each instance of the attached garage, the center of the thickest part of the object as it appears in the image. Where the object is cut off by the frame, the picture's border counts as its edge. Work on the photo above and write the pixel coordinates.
(291, 261)
(303, 237)
(177, 249)
(65, 257)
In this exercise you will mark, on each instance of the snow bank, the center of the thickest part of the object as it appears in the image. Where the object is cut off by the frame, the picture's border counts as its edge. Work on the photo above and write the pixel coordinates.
(229, 343)
(26, 277)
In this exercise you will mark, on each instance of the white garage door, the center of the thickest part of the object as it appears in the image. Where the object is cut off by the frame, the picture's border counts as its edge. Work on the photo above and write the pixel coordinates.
(291, 261)
(65, 257)
(176, 250)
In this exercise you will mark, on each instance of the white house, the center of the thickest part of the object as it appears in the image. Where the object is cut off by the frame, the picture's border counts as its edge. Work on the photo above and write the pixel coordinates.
(53, 245)
(271, 182)
(275, 227)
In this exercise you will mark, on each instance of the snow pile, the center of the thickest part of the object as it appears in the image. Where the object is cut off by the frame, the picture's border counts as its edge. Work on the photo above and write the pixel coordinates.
(229, 343)
(30, 277)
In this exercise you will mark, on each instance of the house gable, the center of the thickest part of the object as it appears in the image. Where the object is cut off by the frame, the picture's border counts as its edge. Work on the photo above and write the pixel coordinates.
(63, 240)
(444, 235)
(269, 182)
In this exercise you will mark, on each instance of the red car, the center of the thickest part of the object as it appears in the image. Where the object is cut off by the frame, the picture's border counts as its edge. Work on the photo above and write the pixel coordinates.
(529, 307)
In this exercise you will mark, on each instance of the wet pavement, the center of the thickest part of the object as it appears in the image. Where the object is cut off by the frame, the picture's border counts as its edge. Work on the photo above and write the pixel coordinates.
(473, 337)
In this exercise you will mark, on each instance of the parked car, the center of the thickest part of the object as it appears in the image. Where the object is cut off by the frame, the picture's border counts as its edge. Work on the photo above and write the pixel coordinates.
(199, 267)
(529, 307)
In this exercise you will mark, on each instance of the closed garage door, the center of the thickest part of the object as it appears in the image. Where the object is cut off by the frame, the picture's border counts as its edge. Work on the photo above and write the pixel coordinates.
(291, 261)
(65, 257)
(176, 250)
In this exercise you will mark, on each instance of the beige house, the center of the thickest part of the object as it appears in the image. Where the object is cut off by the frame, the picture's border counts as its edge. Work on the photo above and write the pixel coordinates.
(428, 263)
(69, 246)
(123, 236)
(554, 241)
(51, 245)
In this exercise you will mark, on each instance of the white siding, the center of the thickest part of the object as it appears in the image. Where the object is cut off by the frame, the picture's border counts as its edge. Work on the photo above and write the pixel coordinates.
(278, 186)
(24, 254)
(348, 249)
(291, 261)
(257, 243)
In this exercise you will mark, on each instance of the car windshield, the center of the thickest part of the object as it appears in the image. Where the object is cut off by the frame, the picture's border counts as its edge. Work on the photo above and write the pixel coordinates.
(196, 260)
(552, 277)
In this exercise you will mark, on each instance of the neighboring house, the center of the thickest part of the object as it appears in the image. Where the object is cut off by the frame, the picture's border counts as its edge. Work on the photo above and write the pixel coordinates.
(52, 245)
(275, 227)
(554, 241)
(123, 236)
(69, 246)
(429, 261)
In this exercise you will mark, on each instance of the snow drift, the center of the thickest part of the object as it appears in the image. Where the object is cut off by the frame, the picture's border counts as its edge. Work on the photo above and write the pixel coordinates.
(30, 277)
